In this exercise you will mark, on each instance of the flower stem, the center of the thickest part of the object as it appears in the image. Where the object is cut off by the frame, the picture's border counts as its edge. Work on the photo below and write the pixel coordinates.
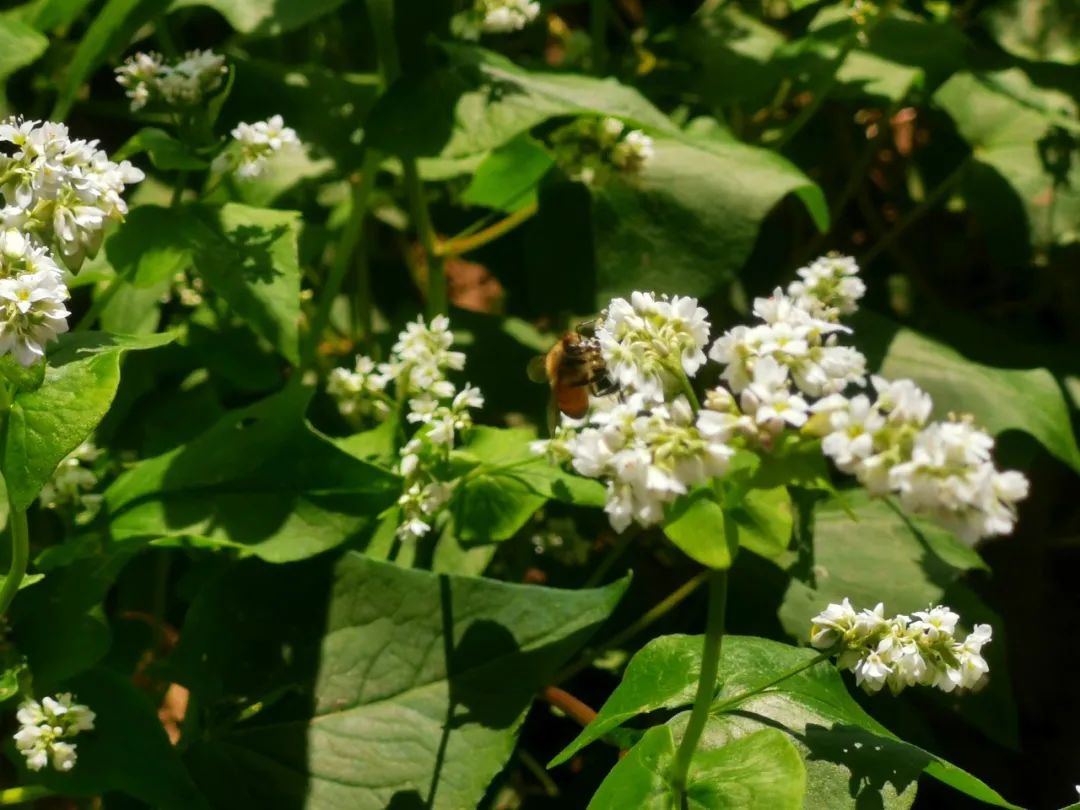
(647, 619)
(437, 303)
(735, 700)
(348, 244)
(598, 14)
(465, 244)
(27, 793)
(687, 388)
(20, 554)
(706, 688)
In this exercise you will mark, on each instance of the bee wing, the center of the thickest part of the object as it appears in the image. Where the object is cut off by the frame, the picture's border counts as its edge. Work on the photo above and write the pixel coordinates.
(537, 369)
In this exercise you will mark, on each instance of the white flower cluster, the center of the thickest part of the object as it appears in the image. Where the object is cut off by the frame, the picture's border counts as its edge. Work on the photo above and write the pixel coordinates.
(32, 295)
(419, 361)
(494, 17)
(59, 191)
(186, 83)
(649, 445)
(73, 482)
(254, 144)
(902, 651)
(940, 469)
(589, 149)
(45, 727)
(649, 453)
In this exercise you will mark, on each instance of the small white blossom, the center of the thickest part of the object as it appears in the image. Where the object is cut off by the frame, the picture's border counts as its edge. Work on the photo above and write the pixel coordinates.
(60, 190)
(32, 296)
(650, 341)
(633, 151)
(185, 83)
(254, 144)
(902, 652)
(594, 150)
(44, 728)
(506, 16)
(829, 287)
(73, 482)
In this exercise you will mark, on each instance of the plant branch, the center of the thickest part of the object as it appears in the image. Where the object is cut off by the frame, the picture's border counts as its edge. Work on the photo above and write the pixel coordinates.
(647, 619)
(914, 215)
(562, 700)
(465, 244)
(706, 688)
(20, 555)
(437, 303)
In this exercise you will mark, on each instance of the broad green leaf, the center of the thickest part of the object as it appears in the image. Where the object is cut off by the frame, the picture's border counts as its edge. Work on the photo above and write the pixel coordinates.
(402, 686)
(22, 378)
(108, 34)
(760, 770)
(492, 507)
(151, 246)
(126, 752)
(850, 758)
(1039, 30)
(164, 150)
(868, 551)
(686, 222)
(261, 480)
(507, 179)
(697, 526)
(794, 461)
(134, 310)
(20, 45)
(1000, 399)
(46, 424)
(763, 521)
(1016, 131)
(249, 257)
(264, 17)
(377, 445)
(484, 101)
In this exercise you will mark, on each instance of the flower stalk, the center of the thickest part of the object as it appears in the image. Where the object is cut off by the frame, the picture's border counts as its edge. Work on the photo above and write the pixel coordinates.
(706, 688)
(20, 555)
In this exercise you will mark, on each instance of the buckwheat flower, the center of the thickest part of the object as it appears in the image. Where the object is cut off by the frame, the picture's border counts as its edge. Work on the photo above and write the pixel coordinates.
(769, 398)
(650, 342)
(829, 287)
(73, 482)
(254, 144)
(506, 16)
(632, 152)
(902, 652)
(60, 190)
(184, 83)
(423, 354)
(32, 313)
(360, 391)
(44, 728)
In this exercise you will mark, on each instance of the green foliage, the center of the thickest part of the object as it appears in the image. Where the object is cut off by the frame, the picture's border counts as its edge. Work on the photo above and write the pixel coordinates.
(447, 674)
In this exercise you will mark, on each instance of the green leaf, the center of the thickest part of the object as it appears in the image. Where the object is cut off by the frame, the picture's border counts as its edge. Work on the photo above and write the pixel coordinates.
(151, 246)
(260, 480)
(264, 17)
(20, 45)
(408, 686)
(760, 770)
(23, 378)
(489, 508)
(249, 256)
(165, 151)
(507, 179)
(484, 101)
(1039, 30)
(696, 525)
(850, 758)
(46, 424)
(110, 31)
(127, 751)
(1000, 399)
(1016, 132)
(686, 222)
(762, 521)
(868, 551)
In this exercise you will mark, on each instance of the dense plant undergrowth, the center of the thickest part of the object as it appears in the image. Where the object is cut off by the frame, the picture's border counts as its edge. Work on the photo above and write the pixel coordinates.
(784, 517)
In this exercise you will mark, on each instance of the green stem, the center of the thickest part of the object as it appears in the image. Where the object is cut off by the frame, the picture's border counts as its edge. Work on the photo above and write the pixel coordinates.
(706, 688)
(646, 620)
(97, 306)
(20, 555)
(437, 300)
(598, 13)
(459, 245)
(21, 795)
(687, 387)
(537, 770)
(349, 243)
(735, 700)
(179, 189)
(915, 214)
(622, 543)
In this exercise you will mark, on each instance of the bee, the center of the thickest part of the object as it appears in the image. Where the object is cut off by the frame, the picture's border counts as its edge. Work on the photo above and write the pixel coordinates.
(574, 368)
